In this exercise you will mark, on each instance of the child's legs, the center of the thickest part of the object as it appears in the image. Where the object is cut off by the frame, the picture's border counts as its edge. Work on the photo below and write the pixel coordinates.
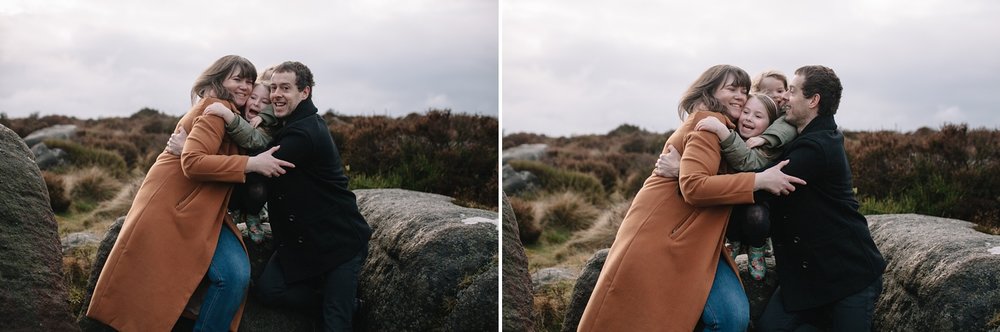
(756, 224)
(254, 193)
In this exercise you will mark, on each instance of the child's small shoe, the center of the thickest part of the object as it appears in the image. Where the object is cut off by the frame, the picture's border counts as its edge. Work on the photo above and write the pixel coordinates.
(239, 218)
(755, 258)
(735, 248)
(254, 227)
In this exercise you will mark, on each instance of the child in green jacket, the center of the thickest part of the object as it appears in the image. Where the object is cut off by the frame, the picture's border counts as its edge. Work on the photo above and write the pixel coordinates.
(750, 223)
(253, 134)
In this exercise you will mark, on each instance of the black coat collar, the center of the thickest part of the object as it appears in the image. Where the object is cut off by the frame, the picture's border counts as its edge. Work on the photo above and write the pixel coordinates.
(820, 123)
(305, 109)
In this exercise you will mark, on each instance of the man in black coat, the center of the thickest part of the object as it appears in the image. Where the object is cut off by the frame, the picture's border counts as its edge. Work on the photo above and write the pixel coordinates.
(321, 239)
(829, 269)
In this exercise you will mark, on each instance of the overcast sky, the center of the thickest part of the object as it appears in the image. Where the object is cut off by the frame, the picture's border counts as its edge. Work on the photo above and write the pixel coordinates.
(106, 58)
(582, 67)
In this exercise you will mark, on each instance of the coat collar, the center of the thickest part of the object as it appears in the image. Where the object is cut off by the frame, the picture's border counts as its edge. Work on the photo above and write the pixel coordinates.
(820, 123)
(305, 109)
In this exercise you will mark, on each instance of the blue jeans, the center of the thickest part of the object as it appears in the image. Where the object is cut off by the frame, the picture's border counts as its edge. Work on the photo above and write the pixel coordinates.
(229, 276)
(727, 308)
(852, 313)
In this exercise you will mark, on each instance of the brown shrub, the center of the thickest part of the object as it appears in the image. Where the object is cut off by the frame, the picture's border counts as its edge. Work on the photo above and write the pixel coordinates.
(438, 152)
(57, 192)
(527, 225)
(515, 139)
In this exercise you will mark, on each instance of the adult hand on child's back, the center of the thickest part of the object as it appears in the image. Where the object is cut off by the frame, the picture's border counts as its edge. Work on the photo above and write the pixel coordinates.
(774, 181)
(266, 164)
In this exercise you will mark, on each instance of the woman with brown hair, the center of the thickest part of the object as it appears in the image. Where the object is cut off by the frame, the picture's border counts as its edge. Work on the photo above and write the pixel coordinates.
(177, 232)
(666, 270)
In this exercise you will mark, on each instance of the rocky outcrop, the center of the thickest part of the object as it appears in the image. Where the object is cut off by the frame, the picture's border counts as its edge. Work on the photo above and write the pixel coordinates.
(517, 293)
(942, 275)
(581, 291)
(47, 158)
(33, 296)
(515, 182)
(78, 240)
(524, 152)
(551, 275)
(432, 265)
(103, 250)
(66, 131)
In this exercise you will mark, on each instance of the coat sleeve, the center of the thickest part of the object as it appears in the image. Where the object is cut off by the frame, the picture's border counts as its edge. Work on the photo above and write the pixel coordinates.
(199, 159)
(740, 157)
(779, 133)
(700, 183)
(245, 135)
(296, 146)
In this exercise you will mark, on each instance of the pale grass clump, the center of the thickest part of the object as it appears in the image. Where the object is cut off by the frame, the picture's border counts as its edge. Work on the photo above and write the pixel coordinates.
(598, 236)
(567, 211)
(91, 184)
(107, 211)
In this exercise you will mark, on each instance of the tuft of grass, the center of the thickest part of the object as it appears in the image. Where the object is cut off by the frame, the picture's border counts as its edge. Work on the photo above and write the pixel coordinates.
(92, 185)
(872, 205)
(366, 181)
(598, 236)
(76, 270)
(567, 211)
(995, 322)
(107, 211)
(550, 305)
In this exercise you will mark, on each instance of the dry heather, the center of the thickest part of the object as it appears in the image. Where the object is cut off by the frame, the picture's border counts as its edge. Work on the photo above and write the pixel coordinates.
(527, 225)
(951, 172)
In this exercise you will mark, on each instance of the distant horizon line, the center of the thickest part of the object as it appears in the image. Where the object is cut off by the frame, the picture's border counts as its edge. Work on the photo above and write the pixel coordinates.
(937, 128)
(373, 113)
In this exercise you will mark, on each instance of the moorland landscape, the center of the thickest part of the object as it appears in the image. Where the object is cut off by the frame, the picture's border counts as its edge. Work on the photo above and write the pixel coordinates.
(570, 194)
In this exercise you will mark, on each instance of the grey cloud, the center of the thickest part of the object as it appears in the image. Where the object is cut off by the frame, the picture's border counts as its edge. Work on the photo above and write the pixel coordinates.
(395, 57)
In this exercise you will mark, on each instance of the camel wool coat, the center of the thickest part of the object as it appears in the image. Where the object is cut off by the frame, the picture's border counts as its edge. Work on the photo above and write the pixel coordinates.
(170, 233)
(662, 263)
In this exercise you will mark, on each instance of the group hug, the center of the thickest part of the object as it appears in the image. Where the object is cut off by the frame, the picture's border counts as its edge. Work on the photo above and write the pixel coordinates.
(756, 166)
(753, 159)
(247, 140)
